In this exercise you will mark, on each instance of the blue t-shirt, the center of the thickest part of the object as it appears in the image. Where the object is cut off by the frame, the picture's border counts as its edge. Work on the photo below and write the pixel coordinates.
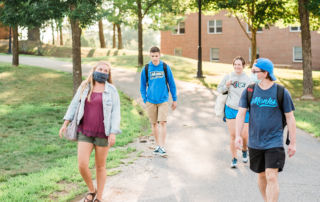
(265, 123)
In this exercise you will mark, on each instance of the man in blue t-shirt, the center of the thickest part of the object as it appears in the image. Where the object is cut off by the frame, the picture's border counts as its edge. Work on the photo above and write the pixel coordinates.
(266, 152)
(154, 90)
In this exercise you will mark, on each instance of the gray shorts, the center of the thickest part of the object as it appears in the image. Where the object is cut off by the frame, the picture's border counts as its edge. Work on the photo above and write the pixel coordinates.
(101, 142)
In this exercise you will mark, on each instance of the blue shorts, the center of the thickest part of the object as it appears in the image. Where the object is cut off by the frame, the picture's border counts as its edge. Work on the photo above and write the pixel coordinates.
(230, 113)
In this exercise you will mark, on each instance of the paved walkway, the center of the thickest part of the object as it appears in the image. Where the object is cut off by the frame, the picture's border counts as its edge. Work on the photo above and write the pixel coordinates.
(197, 168)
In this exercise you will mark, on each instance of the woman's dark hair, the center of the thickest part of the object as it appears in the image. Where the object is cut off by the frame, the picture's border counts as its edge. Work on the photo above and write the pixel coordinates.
(239, 58)
(154, 50)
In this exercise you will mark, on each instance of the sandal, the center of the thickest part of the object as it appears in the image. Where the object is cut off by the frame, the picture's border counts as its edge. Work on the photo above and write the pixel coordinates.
(90, 200)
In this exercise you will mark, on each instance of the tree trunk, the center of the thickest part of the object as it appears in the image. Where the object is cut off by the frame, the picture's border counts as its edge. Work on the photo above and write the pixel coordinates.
(140, 34)
(61, 37)
(101, 36)
(306, 50)
(15, 47)
(52, 28)
(253, 55)
(76, 54)
(119, 37)
(34, 34)
(114, 36)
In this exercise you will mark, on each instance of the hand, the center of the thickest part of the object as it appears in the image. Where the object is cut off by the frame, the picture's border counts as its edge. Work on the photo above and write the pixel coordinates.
(174, 105)
(112, 140)
(291, 150)
(228, 83)
(238, 142)
(62, 131)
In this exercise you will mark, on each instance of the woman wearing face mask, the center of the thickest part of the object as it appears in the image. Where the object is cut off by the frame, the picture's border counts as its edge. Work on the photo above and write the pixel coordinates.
(98, 123)
(233, 84)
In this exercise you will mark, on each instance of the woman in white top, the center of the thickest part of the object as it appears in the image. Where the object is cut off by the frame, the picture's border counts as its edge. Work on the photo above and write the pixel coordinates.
(234, 83)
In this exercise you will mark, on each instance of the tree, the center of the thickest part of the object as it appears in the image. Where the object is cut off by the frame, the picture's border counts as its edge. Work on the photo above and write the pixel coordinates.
(31, 14)
(81, 14)
(306, 49)
(256, 13)
(307, 14)
(34, 34)
(155, 10)
(101, 35)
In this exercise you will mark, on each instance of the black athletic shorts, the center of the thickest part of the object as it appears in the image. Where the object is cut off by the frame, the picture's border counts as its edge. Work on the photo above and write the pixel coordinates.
(267, 158)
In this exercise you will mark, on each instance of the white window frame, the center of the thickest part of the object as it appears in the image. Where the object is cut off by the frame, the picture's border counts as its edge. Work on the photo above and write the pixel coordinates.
(211, 60)
(178, 29)
(293, 54)
(299, 29)
(258, 52)
(248, 31)
(214, 26)
(174, 51)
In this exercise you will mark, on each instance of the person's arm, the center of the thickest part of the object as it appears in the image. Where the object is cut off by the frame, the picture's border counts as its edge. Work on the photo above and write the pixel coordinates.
(291, 123)
(239, 126)
(288, 108)
(73, 106)
(172, 84)
(224, 84)
(115, 113)
(143, 85)
(173, 88)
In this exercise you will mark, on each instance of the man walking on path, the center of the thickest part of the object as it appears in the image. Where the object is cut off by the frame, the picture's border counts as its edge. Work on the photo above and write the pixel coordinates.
(156, 82)
(266, 152)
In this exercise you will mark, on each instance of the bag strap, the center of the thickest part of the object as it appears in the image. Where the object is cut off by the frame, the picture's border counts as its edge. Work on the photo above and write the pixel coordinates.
(280, 95)
(165, 66)
(147, 74)
(250, 90)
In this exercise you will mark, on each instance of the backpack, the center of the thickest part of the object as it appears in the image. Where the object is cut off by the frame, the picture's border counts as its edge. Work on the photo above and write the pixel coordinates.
(165, 73)
(280, 93)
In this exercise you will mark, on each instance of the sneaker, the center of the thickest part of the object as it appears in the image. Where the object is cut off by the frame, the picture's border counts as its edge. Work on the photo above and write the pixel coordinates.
(234, 163)
(245, 156)
(162, 152)
(156, 150)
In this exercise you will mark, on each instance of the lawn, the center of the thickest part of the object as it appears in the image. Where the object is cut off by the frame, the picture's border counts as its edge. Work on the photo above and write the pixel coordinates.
(36, 165)
(307, 112)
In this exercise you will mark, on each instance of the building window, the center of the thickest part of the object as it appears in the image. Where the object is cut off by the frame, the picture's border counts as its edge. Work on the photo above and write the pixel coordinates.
(180, 29)
(214, 54)
(214, 26)
(297, 54)
(178, 51)
(258, 54)
(295, 29)
(249, 29)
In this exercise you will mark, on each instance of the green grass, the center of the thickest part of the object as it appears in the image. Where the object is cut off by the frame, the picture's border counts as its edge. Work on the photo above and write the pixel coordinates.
(307, 112)
(36, 165)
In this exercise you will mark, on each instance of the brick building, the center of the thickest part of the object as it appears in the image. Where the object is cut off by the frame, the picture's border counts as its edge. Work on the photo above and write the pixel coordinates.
(223, 39)
(4, 32)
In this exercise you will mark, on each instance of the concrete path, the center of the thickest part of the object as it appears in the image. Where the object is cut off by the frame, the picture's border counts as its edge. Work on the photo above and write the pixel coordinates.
(197, 168)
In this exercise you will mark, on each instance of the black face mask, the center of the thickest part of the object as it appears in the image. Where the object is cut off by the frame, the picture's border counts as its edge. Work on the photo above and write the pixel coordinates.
(100, 77)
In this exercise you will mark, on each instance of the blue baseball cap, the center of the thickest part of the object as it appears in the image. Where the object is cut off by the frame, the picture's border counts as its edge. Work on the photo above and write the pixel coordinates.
(267, 65)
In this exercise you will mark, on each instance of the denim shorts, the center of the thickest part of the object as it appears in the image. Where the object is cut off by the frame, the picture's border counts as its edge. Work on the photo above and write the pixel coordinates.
(232, 114)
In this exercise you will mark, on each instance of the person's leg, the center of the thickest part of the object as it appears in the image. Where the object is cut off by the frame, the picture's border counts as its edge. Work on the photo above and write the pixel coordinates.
(272, 190)
(101, 171)
(155, 132)
(152, 111)
(262, 183)
(244, 134)
(232, 130)
(84, 151)
(162, 119)
(163, 127)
